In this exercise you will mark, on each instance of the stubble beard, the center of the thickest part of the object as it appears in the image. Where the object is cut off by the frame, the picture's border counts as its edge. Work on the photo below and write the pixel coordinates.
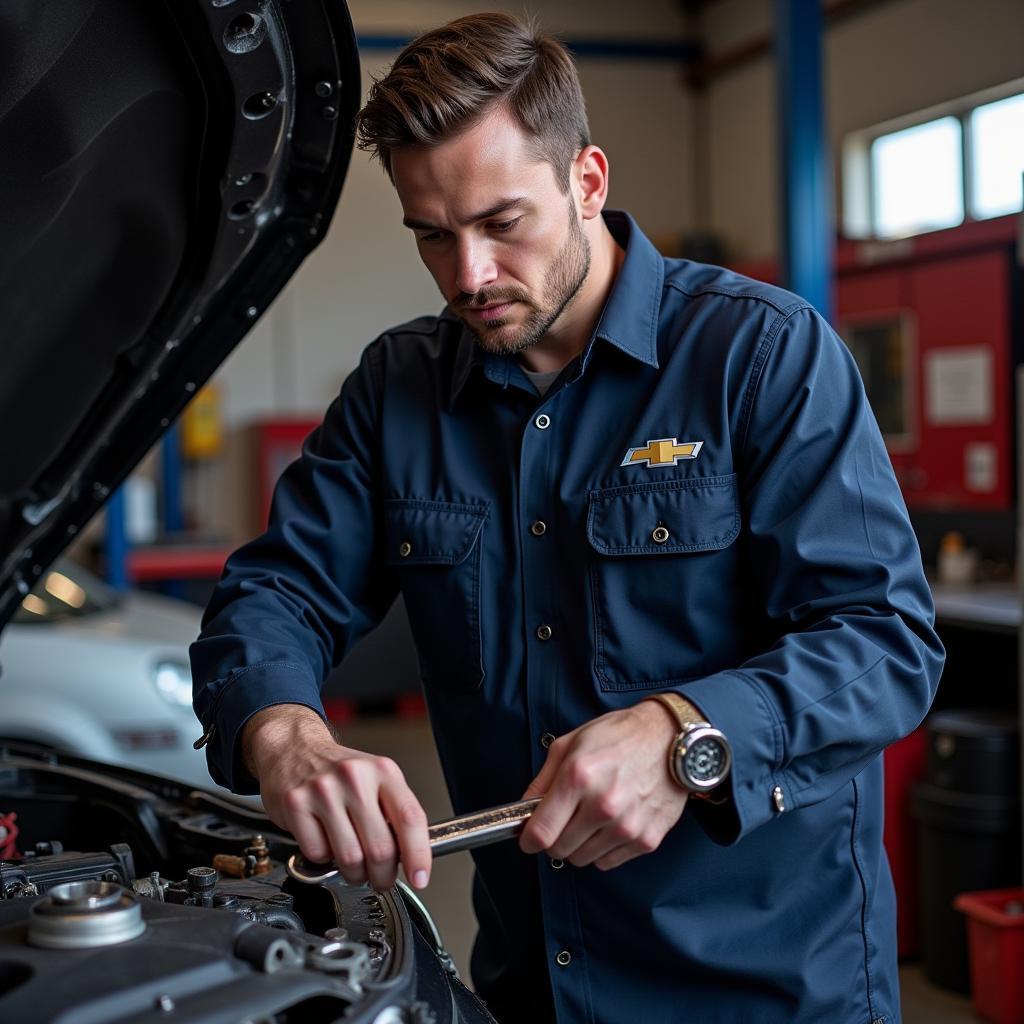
(562, 282)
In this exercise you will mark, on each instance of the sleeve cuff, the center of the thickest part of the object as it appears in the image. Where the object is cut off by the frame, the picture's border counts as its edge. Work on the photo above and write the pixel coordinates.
(734, 704)
(238, 697)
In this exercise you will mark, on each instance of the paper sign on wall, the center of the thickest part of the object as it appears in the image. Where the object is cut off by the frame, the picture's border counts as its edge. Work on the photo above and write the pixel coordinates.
(980, 467)
(958, 386)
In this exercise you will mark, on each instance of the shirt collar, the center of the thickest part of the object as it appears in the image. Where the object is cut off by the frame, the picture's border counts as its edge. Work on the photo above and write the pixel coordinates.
(630, 316)
(629, 320)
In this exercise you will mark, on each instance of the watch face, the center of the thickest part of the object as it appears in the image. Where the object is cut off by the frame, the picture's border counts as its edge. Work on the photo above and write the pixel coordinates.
(705, 760)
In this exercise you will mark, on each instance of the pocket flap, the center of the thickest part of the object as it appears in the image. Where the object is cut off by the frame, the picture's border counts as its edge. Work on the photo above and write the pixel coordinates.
(665, 517)
(430, 532)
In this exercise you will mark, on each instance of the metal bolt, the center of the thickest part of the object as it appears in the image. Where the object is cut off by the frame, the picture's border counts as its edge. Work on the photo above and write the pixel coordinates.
(252, 312)
(323, 89)
(243, 179)
(202, 880)
(165, 1003)
(329, 113)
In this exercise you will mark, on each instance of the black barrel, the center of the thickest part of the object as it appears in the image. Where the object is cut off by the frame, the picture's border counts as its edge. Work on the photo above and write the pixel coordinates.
(969, 810)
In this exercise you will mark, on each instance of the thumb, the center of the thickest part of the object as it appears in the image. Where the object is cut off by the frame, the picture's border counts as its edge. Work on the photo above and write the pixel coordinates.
(544, 778)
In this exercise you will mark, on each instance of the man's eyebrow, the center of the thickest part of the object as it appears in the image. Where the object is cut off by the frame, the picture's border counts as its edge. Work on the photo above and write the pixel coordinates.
(492, 211)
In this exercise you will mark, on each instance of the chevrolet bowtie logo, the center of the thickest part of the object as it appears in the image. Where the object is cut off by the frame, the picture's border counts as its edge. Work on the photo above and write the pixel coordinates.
(665, 452)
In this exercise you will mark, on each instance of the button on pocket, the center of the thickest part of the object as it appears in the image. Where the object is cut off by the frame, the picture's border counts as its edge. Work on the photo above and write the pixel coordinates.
(661, 575)
(436, 548)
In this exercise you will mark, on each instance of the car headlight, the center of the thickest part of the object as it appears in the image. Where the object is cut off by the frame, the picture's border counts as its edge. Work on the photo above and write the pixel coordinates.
(173, 680)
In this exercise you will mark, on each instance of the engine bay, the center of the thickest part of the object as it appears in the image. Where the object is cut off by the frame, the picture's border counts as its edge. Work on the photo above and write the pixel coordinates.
(124, 897)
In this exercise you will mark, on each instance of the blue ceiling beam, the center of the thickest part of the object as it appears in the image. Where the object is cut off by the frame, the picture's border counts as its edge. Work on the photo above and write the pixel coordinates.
(680, 50)
(807, 229)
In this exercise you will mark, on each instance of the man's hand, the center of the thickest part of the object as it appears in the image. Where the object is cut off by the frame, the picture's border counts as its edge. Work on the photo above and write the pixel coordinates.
(608, 795)
(339, 803)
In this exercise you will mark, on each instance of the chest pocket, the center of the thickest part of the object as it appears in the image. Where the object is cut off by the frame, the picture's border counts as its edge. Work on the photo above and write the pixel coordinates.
(436, 548)
(662, 577)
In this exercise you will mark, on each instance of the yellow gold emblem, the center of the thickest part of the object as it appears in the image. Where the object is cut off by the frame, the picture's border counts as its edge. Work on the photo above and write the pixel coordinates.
(666, 451)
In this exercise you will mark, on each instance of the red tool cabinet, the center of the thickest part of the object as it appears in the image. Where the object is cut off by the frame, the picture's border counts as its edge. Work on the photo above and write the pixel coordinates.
(935, 323)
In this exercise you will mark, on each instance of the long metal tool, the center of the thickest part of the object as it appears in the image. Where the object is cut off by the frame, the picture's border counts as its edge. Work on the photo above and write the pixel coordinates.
(463, 833)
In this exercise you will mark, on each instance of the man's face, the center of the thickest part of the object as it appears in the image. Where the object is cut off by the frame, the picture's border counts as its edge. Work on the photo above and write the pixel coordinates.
(502, 241)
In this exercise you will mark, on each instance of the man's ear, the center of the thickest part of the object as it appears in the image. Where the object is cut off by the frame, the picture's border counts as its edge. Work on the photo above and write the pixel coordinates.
(590, 180)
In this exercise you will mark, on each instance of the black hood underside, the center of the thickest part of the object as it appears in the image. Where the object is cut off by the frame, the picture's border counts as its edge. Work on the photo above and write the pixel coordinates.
(165, 168)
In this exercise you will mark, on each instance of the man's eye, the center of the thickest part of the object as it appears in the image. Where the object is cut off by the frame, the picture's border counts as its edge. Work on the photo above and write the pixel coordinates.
(433, 236)
(506, 225)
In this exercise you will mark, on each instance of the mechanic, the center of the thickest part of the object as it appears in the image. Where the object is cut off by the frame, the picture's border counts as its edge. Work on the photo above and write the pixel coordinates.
(599, 476)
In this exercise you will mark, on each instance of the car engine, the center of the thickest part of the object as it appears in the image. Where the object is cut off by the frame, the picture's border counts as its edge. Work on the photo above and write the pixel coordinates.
(124, 897)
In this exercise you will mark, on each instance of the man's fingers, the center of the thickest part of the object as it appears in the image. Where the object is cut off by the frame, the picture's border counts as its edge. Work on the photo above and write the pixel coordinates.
(548, 821)
(298, 818)
(542, 783)
(610, 837)
(555, 809)
(380, 851)
(409, 822)
(348, 851)
(583, 830)
(621, 854)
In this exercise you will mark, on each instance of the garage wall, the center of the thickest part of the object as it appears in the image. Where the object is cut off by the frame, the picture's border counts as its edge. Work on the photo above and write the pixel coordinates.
(890, 59)
(366, 275)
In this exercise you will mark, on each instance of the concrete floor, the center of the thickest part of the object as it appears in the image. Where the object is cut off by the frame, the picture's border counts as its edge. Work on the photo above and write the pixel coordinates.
(409, 742)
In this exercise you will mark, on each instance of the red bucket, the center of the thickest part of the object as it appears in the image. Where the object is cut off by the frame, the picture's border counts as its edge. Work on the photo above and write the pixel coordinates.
(995, 935)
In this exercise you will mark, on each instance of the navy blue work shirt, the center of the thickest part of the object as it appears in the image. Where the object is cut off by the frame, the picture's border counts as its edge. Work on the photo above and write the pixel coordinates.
(782, 593)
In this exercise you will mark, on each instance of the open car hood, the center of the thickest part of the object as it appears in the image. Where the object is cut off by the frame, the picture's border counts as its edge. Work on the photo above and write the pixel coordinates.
(165, 166)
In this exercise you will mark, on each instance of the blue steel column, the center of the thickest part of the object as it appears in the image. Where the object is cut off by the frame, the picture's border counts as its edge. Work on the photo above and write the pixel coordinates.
(170, 464)
(117, 541)
(173, 507)
(808, 234)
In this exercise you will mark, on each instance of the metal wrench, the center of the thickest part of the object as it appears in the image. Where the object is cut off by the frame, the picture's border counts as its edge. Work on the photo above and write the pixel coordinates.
(463, 833)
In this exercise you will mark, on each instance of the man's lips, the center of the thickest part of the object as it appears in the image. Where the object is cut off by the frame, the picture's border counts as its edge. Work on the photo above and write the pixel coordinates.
(492, 312)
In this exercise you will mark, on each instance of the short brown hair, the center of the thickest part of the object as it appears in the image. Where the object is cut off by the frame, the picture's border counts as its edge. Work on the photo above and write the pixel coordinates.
(448, 78)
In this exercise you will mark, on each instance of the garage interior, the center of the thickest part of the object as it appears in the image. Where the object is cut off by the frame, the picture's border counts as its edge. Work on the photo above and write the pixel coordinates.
(867, 154)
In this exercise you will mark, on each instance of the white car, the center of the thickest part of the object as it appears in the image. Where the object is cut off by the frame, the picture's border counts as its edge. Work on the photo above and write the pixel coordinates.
(91, 671)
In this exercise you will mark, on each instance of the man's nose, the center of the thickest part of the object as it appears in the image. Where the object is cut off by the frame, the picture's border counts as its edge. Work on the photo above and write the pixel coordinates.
(476, 268)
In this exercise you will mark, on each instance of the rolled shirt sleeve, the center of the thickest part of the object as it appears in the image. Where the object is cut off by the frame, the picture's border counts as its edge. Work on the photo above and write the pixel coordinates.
(837, 569)
(292, 602)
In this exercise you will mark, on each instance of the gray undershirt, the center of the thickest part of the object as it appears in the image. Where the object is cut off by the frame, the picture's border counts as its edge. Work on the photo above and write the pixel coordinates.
(541, 380)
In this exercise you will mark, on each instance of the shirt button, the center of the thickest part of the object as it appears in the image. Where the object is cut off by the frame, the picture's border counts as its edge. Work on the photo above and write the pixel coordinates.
(543, 632)
(543, 421)
(659, 535)
(539, 528)
(557, 863)
(405, 549)
(563, 958)
(546, 740)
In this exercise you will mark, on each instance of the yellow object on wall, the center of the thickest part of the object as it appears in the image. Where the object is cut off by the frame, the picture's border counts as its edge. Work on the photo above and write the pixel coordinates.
(202, 436)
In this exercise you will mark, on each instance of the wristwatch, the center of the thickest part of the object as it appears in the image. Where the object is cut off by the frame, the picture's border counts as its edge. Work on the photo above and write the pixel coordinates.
(699, 757)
